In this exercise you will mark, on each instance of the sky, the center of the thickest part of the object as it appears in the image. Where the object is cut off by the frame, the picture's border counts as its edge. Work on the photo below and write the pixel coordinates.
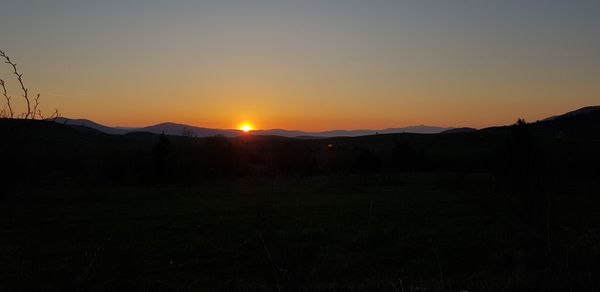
(306, 64)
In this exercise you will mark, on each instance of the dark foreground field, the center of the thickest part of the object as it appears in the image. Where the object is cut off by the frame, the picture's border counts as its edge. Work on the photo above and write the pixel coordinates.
(427, 232)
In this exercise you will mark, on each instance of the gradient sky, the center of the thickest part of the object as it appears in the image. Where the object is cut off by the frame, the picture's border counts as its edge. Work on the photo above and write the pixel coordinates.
(307, 64)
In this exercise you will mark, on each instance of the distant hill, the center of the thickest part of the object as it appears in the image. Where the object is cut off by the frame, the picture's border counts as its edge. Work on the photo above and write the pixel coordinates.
(167, 128)
(581, 111)
(187, 130)
(459, 130)
(579, 122)
(584, 122)
(58, 152)
(91, 124)
(351, 133)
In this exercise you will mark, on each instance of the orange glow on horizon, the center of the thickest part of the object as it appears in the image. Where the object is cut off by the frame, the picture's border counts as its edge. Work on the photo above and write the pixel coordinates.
(315, 66)
(246, 127)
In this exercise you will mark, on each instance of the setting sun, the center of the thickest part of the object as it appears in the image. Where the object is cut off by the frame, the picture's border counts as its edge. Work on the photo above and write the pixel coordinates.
(246, 128)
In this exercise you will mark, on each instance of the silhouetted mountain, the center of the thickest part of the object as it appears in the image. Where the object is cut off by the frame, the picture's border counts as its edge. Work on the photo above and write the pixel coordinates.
(459, 130)
(186, 130)
(581, 111)
(166, 128)
(583, 123)
(354, 133)
(91, 124)
(422, 129)
(177, 129)
(578, 121)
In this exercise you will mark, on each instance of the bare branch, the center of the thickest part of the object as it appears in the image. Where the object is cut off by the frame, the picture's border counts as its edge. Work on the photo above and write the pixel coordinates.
(35, 106)
(25, 95)
(33, 110)
(10, 113)
(54, 116)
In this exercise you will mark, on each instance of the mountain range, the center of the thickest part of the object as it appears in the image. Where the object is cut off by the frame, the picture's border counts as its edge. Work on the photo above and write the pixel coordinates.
(193, 131)
(187, 130)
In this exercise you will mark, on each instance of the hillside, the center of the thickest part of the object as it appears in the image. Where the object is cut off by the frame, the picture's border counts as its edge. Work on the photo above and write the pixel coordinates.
(82, 208)
(134, 157)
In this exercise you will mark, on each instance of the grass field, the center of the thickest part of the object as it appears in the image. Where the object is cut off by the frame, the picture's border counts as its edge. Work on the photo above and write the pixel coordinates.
(352, 233)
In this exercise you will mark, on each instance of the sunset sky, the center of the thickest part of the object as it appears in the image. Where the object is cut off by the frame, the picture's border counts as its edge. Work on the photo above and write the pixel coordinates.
(306, 64)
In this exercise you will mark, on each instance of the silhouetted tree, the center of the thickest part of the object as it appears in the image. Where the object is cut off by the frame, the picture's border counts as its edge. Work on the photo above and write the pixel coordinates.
(186, 132)
(520, 154)
(530, 199)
